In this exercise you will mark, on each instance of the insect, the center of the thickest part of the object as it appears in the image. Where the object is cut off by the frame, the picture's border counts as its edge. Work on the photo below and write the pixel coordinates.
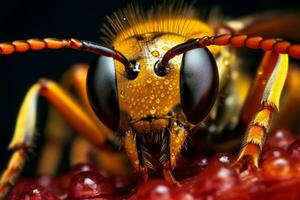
(157, 79)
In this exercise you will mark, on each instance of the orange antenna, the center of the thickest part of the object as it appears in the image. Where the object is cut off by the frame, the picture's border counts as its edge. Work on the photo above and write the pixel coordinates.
(50, 43)
(275, 45)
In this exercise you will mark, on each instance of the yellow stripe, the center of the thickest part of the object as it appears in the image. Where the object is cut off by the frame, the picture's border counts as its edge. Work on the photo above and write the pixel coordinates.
(26, 121)
(276, 82)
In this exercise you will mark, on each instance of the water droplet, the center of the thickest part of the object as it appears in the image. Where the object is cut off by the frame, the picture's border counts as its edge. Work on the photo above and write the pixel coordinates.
(170, 88)
(155, 53)
(152, 96)
(162, 95)
(152, 110)
(149, 80)
(165, 109)
(122, 94)
(166, 82)
(165, 48)
(157, 101)
(156, 82)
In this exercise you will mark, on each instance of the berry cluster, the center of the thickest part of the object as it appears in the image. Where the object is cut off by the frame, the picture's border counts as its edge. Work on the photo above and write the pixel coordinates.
(278, 178)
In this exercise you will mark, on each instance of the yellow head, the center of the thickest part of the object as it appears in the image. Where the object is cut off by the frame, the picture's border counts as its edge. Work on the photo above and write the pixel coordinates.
(150, 105)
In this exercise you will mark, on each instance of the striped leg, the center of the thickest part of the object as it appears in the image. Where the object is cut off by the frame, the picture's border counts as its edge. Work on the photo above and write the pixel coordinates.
(58, 132)
(22, 141)
(260, 124)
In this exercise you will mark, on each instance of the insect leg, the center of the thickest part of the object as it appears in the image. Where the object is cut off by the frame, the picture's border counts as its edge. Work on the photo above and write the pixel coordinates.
(58, 131)
(25, 127)
(134, 153)
(75, 79)
(260, 124)
(253, 99)
(290, 100)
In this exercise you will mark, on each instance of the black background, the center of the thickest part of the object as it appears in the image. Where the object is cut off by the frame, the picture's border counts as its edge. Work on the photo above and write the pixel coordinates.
(65, 19)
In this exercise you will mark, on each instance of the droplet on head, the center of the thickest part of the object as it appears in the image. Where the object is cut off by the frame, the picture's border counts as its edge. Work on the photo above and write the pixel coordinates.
(165, 109)
(165, 48)
(155, 53)
(149, 80)
(152, 110)
(122, 94)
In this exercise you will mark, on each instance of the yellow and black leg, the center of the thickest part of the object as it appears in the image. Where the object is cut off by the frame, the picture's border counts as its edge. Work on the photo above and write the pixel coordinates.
(22, 141)
(58, 131)
(113, 161)
(258, 128)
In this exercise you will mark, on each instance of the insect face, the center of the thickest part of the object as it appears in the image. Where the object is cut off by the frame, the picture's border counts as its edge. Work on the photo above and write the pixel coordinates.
(153, 107)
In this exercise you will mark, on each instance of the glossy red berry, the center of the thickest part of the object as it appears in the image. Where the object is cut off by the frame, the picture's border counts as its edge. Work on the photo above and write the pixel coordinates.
(294, 151)
(273, 153)
(155, 190)
(279, 168)
(223, 158)
(214, 178)
(280, 138)
(89, 184)
(33, 192)
(201, 161)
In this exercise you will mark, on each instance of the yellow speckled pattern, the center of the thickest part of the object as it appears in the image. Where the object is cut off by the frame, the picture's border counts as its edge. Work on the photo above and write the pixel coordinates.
(149, 94)
(147, 103)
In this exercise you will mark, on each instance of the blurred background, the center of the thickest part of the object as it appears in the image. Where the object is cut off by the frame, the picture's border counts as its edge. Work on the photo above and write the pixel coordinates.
(21, 19)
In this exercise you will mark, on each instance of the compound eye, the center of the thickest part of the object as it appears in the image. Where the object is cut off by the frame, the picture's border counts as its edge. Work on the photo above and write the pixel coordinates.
(199, 81)
(102, 91)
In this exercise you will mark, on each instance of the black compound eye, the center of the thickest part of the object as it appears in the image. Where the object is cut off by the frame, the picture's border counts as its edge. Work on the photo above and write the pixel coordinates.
(199, 81)
(102, 91)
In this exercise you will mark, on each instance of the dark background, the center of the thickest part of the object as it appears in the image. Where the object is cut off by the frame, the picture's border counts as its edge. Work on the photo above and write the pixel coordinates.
(78, 19)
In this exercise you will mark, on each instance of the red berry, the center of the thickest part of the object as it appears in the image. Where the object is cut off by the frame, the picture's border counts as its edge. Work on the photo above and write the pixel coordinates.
(214, 178)
(83, 167)
(89, 184)
(273, 153)
(33, 192)
(279, 168)
(201, 161)
(155, 190)
(294, 151)
(223, 158)
(63, 181)
(279, 138)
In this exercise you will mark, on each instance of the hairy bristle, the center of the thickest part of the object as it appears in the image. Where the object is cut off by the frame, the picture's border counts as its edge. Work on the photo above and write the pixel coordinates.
(127, 21)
